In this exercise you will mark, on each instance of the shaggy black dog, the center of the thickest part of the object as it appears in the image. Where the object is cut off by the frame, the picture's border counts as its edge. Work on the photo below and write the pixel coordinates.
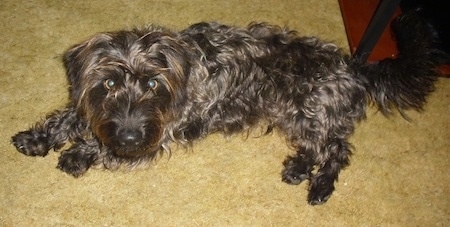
(134, 92)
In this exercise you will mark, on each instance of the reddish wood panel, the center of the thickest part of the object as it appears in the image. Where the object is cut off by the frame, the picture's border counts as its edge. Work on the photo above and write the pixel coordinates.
(357, 15)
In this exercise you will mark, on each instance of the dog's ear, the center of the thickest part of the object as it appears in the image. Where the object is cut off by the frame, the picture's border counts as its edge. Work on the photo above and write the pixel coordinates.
(177, 58)
(74, 67)
(73, 63)
(78, 60)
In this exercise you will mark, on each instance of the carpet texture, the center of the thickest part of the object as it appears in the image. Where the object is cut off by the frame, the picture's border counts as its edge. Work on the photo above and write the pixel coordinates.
(398, 177)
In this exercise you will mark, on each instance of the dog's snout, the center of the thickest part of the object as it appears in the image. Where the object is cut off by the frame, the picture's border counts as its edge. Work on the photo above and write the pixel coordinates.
(129, 137)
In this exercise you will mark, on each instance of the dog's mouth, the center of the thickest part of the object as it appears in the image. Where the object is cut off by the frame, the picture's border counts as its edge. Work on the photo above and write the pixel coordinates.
(130, 142)
(133, 151)
(130, 152)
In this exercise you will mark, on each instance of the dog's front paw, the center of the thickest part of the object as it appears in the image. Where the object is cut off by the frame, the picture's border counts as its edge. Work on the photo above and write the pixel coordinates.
(31, 143)
(320, 190)
(75, 162)
(295, 172)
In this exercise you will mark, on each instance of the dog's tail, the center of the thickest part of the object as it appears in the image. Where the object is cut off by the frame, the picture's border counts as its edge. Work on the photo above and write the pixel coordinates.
(404, 82)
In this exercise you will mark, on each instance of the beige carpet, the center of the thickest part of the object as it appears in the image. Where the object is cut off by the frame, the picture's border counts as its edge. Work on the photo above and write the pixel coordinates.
(399, 174)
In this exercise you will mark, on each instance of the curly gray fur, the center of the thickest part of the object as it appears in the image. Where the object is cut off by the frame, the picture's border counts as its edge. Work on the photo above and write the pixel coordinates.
(135, 92)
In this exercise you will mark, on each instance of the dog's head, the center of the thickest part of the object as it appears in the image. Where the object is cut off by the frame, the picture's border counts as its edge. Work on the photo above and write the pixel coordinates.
(128, 85)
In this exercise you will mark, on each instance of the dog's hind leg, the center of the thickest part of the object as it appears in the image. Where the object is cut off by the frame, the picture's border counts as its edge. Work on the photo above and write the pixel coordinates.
(298, 168)
(336, 154)
(331, 158)
(51, 133)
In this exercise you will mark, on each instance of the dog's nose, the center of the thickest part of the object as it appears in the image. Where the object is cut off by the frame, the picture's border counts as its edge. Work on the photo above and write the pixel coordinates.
(129, 137)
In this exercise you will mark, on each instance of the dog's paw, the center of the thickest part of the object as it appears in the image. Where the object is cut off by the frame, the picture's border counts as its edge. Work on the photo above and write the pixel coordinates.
(295, 172)
(31, 143)
(320, 189)
(74, 163)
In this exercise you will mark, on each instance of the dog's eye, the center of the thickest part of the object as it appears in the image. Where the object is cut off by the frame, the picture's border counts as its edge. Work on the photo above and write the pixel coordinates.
(109, 84)
(152, 84)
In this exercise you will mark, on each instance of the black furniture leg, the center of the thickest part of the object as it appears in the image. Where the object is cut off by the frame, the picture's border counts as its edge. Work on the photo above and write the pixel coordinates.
(377, 24)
